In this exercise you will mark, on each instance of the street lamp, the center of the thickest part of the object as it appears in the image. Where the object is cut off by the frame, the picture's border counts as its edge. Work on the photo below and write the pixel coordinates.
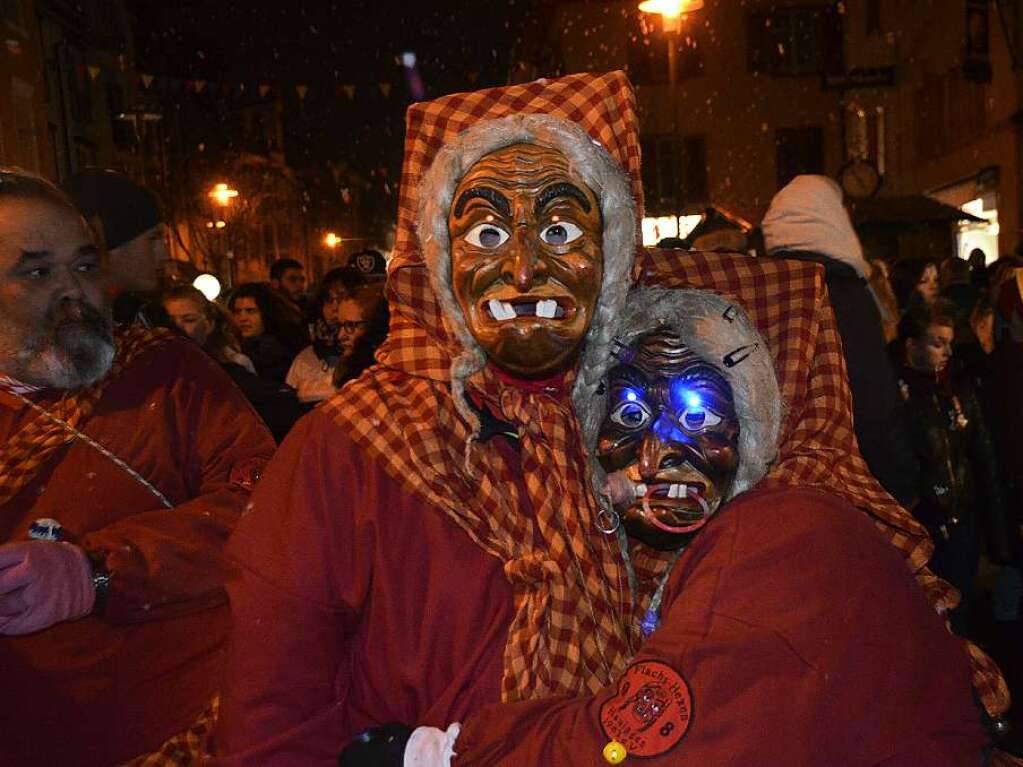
(222, 194)
(671, 12)
(331, 240)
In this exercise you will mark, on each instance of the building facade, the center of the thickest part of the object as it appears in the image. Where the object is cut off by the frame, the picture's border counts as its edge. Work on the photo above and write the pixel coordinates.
(923, 91)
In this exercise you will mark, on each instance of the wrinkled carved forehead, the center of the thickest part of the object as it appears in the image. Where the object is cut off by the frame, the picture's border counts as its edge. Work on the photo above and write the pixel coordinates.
(524, 167)
(662, 354)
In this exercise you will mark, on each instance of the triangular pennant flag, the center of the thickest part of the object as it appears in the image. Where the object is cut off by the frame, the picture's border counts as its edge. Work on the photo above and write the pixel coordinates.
(302, 90)
(147, 80)
(263, 90)
(200, 86)
(385, 88)
(350, 91)
(93, 72)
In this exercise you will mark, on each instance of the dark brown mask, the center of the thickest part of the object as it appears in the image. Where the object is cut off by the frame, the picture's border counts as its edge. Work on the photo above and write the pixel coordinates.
(526, 258)
(671, 429)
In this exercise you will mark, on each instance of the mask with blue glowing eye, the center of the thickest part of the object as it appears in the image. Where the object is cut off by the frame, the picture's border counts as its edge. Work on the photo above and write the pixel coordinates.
(672, 432)
(560, 233)
(487, 236)
(697, 417)
(631, 412)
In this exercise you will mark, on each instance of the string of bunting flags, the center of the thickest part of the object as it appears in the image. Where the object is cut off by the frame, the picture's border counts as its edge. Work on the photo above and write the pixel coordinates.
(223, 88)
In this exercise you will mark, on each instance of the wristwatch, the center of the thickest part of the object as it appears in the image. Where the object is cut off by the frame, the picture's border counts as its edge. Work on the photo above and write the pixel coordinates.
(100, 580)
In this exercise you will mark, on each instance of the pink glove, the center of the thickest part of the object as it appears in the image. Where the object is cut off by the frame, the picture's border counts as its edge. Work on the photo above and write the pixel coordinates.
(43, 583)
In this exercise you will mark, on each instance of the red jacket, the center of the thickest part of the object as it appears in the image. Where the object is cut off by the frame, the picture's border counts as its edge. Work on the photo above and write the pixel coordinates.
(800, 633)
(101, 690)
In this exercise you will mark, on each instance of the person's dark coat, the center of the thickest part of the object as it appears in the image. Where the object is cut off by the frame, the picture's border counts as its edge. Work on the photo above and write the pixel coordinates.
(270, 356)
(806, 221)
(961, 499)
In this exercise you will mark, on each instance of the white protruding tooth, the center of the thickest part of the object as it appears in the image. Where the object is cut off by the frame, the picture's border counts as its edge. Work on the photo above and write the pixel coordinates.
(641, 490)
(546, 308)
(673, 491)
(683, 491)
(501, 310)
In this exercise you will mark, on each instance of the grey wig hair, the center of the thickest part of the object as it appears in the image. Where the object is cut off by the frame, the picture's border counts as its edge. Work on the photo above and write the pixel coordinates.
(721, 334)
(595, 166)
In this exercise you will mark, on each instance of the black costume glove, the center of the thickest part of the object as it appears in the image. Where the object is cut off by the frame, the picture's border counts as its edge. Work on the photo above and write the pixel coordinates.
(382, 746)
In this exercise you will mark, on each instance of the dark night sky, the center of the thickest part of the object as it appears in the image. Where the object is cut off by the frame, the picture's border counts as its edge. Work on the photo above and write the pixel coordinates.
(326, 44)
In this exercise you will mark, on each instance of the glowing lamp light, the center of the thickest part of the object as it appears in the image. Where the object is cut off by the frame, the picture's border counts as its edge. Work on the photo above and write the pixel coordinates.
(693, 400)
(630, 395)
(331, 240)
(222, 194)
(670, 10)
(220, 224)
(208, 285)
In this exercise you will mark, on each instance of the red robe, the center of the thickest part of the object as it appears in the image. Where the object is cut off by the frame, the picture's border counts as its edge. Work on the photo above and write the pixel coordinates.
(800, 631)
(99, 691)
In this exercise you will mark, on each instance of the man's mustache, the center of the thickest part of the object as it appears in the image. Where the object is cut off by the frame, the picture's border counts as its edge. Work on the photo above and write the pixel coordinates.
(69, 312)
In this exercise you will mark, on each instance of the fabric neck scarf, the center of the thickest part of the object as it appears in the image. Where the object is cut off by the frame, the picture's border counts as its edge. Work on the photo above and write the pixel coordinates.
(26, 451)
(575, 625)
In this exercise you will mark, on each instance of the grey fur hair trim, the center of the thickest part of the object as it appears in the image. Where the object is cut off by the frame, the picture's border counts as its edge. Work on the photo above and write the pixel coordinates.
(594, 165)
(713, 328)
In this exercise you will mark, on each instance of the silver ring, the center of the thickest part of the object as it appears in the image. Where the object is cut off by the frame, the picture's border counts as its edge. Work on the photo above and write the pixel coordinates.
(609, 527)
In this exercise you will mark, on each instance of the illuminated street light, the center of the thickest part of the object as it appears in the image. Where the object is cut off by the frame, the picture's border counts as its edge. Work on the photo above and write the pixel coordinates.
(670, 10)
(331, 240)
(222, 194)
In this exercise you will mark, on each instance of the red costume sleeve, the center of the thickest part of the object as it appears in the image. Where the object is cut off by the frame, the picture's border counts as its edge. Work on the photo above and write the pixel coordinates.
(796, 635)
(169, 561)
(297, 557)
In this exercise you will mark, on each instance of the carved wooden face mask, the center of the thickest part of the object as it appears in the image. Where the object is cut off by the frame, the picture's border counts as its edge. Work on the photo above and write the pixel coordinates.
(671, 429)
(526, 258)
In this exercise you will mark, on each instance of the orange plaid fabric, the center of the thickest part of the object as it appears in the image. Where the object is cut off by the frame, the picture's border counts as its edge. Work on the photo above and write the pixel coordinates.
(186, 749)
(28, 450)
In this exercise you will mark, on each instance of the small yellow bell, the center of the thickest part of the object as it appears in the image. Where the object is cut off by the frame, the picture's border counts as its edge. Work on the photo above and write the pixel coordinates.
(615, 753)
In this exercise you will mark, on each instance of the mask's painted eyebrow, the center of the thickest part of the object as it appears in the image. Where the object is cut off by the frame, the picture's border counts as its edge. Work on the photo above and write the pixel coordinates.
(494, 197)
(563, 189)
(626, 376)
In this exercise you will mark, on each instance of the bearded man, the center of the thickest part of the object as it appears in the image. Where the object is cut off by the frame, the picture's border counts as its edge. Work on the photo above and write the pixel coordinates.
(428, 543)
(118, 486)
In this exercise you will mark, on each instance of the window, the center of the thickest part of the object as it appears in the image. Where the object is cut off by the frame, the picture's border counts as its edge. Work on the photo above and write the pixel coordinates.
(648, 50)
(949, 111)
(674, 173)
(797, 151)
(795, 41)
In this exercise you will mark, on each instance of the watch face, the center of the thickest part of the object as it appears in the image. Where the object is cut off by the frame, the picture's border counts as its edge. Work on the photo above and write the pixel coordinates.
(860, 179)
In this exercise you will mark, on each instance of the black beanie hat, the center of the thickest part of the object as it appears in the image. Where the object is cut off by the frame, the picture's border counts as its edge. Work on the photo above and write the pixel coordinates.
(124, 208)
